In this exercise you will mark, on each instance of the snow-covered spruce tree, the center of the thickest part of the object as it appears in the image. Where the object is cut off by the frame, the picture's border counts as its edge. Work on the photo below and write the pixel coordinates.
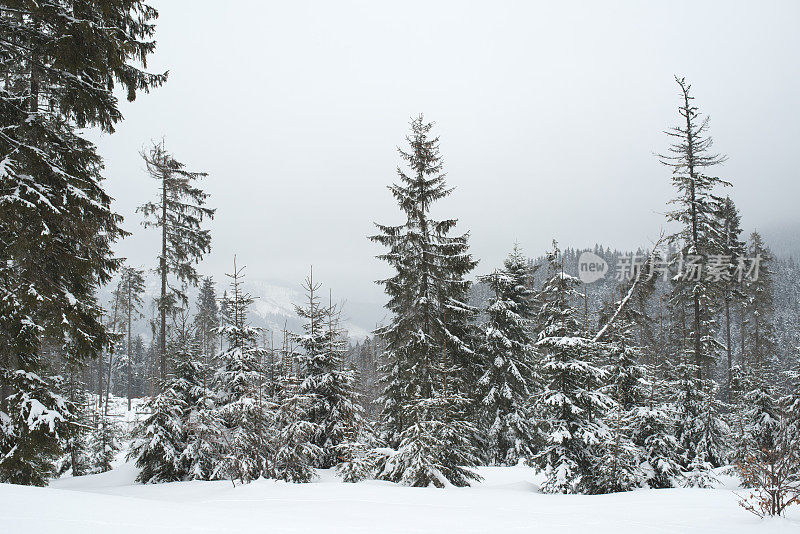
(646, 394)
(573, 405)
(762, 421)
(790, 403)
(507, 350)
(178, 440)
(77, 459)
(203, 428)
(732, 248)
(700, 430)
(653, 433)
(56, 224)
(206, 319)
(239, 386)
(430, 366)
(330, 386)
(292, 442)
(762, 348)
(105, 443)
(178, 213)
(34, 428)
(621, 464)
(160, 439)
(437, 448)
(693, 294)
(131, 286)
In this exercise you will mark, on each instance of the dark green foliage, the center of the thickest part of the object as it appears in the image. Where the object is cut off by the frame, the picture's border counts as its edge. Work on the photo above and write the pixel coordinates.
(61, 61)
(508, 357)
(178, 213)
(428, 353)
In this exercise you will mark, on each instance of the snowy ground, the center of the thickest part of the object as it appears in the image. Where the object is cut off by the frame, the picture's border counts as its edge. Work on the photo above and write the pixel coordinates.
(507, 501)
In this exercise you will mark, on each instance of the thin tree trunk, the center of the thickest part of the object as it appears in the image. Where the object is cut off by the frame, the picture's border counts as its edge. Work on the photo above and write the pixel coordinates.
(728, 342)
(742, 331)
(130, 357)
(162, 304)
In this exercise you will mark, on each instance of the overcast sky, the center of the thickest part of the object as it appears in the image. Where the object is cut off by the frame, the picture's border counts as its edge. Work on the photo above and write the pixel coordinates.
(549, 114)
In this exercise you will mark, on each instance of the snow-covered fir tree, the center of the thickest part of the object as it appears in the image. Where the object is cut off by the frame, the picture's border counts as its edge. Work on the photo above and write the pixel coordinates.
(292, 443)
(695, 209)
(758, 414)
(105, 443)
(131, 287)
(207, 319)
(325, 380)
(57, 227)
(573, 404)
(160, 439)
(202, 426)
(508, 353)
(790, 402)
(761, 347)
(732, 249)
(429, 362)
(239, 385)
(621, 464)
(77, 459)
(700, 430)
(178, 214)
(36, 424)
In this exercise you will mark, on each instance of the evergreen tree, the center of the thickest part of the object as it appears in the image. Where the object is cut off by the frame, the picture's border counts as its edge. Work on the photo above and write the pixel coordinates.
(731, 252)
(105, 444)
(790, 403)
(693, 295)
(77, 459)
(762, 421)
(207, 318)
(700, 430)
(160, 439)
(619, 460)
(294, 451)
(653, 433)
(573, 405)
(203, 429)
(131, 286)
(178, 213)
(762, 349)
(36, 425)
(428, 355)
(507, 350)
(57, 227)
(178, 440)
(334, 410)
(239, 387)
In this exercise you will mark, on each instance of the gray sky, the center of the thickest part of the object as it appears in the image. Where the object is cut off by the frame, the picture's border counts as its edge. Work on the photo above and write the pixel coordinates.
(549, 114)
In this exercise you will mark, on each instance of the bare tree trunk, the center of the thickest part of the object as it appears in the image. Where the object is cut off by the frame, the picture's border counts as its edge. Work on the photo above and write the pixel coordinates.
(162, 349)
(742, 331)
(728, 342)
(130, 356)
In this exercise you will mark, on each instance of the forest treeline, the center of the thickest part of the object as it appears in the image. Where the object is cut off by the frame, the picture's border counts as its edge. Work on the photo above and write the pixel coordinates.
(653, 380)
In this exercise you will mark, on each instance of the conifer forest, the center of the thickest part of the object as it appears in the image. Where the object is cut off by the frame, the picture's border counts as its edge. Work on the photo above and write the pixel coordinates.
(373, 267)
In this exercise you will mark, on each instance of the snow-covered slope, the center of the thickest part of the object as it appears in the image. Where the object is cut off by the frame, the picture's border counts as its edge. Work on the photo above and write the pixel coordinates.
(505, 502)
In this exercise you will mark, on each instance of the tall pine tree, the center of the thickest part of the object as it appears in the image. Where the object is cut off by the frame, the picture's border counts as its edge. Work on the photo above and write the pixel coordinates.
(429, 361)
(508, 353)
(573, 404)
(61, 63)
(178, 214)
